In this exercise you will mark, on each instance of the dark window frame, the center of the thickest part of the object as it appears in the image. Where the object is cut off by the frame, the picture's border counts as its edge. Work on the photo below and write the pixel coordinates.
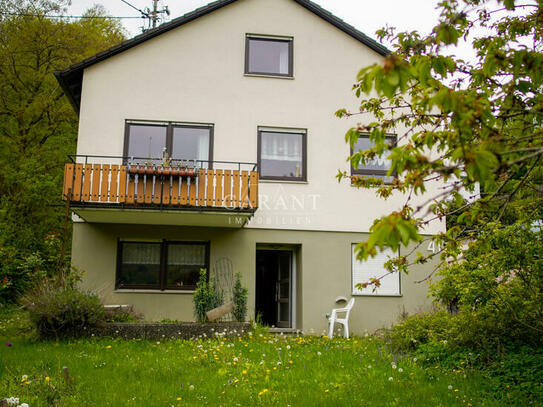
(289, 40)
(362, 172)
(169, 135)
(301, 132)
(162, 285)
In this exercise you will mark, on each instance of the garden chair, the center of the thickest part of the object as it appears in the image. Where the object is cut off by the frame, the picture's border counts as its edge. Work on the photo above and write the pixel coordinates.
(343, 321)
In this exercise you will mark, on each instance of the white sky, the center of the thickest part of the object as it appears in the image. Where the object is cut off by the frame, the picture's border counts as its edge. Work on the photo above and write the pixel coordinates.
(366, 15)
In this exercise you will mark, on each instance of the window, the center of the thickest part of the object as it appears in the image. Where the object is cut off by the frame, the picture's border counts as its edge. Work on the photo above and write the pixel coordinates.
(374, 268)
(378, 167)
(146, 140)
(161, 265)
(268, 56)
(282, 154)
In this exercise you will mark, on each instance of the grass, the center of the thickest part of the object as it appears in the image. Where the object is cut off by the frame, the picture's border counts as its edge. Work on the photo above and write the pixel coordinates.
(260, 369)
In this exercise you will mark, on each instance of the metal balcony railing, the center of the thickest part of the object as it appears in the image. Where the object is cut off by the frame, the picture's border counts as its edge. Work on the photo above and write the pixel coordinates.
(160, 183)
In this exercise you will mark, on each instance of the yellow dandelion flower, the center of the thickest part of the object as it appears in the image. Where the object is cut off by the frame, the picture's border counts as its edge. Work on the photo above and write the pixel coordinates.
(108, 347)
(327, 391)
(178, 399)
(290, 362)
(47, 378)
(244, 372)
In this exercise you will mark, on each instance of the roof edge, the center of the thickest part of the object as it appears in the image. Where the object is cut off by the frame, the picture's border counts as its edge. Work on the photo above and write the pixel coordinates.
(343, 26)
(65, 88)
(138, 39)
(73, 76)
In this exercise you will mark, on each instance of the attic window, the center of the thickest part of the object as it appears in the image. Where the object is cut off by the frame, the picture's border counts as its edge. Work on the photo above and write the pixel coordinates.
(268, 56)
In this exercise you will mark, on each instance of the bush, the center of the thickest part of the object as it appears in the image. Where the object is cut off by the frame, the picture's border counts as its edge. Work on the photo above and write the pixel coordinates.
(21, 271)
(62, 311)
(206, 297)
(499, 283)
(121, 314)
(419, 329)
(239, 297)
(469, 339)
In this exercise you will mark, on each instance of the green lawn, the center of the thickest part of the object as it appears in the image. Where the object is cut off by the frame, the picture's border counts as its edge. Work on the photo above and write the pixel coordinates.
(260, 369)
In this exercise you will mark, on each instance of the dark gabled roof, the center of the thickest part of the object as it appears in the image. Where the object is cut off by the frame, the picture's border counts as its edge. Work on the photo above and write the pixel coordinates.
(71, 79)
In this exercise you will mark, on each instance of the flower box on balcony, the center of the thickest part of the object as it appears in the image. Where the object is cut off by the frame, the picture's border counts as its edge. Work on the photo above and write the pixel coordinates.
(166, 171)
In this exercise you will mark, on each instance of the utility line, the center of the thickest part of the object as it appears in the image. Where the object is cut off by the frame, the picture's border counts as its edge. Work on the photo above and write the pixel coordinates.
(135, 8)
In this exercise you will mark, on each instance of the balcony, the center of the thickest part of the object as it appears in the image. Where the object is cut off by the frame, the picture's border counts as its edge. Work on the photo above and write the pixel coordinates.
(157, 191)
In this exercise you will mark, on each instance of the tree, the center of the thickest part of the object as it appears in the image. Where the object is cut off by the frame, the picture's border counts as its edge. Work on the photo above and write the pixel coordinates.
(38, 126)
(469, 124)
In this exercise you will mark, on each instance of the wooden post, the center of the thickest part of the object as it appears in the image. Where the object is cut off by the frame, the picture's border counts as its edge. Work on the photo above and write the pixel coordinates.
(67, 376)
(64, 236)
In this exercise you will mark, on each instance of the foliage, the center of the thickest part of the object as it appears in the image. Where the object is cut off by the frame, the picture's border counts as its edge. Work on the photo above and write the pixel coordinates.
(58, 311)
(463, 340)
(121, 314)
(470, 124)
(38, 126)
(22, 271)
(247, 371)
(413, 331)
(239, 297)
(206, 297)
(500, 282)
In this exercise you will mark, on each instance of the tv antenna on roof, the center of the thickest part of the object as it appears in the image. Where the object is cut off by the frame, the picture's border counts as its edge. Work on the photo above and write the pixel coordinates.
(152, 16)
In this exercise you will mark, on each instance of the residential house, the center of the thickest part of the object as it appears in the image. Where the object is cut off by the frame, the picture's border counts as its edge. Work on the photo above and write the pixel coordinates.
(211, 142)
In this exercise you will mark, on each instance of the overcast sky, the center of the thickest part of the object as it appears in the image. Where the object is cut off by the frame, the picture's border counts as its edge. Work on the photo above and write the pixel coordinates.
(367, 16)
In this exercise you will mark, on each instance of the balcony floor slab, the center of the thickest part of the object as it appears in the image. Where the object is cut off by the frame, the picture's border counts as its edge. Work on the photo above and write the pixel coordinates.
(193, 217)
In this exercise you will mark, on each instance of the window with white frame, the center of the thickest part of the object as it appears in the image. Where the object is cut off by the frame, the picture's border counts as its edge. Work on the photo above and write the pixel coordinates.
(363, 271)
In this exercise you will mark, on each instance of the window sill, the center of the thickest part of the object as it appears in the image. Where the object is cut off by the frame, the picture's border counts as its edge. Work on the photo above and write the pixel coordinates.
(143, 291)
(279, 181)
(384, 184)
(378, 295)
(256, 75)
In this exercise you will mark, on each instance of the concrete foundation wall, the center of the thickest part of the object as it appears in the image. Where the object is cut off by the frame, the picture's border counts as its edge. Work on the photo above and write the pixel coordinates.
(323, 268)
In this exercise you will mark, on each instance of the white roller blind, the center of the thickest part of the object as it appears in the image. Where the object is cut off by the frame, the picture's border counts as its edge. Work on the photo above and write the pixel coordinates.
(374, 268)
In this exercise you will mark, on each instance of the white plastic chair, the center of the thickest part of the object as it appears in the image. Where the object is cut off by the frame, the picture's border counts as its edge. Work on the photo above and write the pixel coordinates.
(344, 321)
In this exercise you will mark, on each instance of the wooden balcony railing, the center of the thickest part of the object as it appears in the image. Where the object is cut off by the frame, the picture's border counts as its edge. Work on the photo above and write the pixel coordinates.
(160, 187)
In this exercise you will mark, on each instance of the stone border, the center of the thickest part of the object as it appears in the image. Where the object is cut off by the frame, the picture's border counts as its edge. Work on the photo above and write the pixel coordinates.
(158, 331)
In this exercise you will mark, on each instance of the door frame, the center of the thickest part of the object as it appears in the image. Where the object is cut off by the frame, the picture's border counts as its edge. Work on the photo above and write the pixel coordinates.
(293, 274)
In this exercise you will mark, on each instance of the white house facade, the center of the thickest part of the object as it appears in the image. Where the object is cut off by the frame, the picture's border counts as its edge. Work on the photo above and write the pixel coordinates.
(211, 142)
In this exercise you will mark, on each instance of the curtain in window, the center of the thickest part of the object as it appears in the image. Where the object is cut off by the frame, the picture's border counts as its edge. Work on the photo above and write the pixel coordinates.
(284, 59)
(191, 143)
(378, 163)
(186, 255)
(141, 253)
(281, 146)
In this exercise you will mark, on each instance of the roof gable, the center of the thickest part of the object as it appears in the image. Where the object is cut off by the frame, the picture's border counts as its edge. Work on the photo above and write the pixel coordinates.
(71, 79)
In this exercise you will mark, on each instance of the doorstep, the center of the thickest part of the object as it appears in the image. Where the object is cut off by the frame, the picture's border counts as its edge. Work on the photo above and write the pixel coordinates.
(290, 331)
